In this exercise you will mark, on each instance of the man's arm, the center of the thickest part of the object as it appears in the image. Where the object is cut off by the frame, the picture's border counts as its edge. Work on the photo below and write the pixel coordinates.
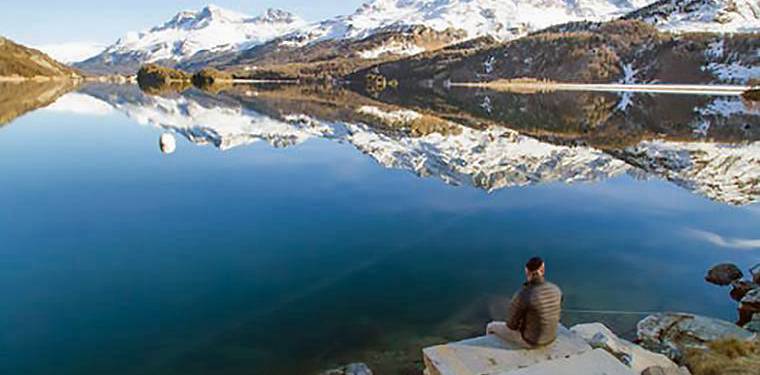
(516, 312)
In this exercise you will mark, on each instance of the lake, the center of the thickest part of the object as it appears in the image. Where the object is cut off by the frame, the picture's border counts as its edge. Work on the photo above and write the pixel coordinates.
(289, 230)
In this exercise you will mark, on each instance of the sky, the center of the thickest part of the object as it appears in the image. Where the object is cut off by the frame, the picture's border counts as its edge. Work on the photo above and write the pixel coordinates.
(45, 22)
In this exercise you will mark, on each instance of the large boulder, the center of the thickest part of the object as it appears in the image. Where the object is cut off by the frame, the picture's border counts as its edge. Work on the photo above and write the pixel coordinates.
(673, 333)
(723, 274)
(640, 360)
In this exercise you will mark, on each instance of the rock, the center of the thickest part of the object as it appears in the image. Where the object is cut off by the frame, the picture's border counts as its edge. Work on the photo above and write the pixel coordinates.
(752, 298)
(749, 306)
(755, 271)
(657, 370)
(634, 356)
(491, 355)
(350, 369)
(740, 288)
(594, 362)
(723, 274)
(672, 333)
(754, 324)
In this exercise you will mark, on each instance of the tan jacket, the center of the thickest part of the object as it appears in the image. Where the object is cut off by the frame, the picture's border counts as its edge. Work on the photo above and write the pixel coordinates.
(535, 311)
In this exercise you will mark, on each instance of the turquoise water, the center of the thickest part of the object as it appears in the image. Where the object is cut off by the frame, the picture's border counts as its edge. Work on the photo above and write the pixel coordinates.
(119, 259)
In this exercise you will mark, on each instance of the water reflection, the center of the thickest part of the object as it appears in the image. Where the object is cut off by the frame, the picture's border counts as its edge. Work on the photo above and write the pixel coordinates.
(484, 139)
(19, 98)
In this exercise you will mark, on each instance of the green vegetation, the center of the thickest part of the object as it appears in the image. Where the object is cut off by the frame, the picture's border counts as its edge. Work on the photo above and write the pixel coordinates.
(22, 62)
(209, 76)
(210, 79)
(157, 79)
(725, 357)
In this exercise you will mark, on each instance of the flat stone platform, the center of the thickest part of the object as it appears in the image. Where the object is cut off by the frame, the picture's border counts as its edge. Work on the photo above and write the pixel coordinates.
(489, 355)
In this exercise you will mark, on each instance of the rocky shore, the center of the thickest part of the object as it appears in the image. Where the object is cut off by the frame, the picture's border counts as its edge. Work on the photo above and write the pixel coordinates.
(667, 343)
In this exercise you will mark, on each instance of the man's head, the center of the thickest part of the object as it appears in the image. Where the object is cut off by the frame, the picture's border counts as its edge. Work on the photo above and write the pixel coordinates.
(534, 269)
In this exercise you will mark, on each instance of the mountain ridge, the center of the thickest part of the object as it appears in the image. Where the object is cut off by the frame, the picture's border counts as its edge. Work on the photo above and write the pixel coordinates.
(173, 44)
(187, 33)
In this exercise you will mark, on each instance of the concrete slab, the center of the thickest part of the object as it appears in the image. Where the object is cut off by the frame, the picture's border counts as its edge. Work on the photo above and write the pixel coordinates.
(489, 355)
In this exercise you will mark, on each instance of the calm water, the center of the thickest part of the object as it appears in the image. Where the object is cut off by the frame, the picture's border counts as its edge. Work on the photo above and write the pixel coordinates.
(292, 231)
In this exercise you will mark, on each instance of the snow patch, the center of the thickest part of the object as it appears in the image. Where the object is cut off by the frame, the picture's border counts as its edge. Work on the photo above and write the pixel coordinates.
(394, 48)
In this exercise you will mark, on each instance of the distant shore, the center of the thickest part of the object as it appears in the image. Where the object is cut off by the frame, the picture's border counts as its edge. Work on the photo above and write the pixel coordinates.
(14, 79)
(542, 86)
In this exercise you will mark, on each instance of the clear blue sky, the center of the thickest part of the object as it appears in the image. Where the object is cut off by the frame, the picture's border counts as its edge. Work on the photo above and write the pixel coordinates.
(36, 22)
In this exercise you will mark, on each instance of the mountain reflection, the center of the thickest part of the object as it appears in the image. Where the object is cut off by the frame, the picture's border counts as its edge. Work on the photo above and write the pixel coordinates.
(483, 139)
(19, 98)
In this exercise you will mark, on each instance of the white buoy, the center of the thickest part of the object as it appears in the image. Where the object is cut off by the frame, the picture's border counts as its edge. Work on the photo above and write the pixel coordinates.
(167, 143)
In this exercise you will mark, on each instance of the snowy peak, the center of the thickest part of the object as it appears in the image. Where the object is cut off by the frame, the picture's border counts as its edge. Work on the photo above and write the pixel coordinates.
(702, 15)
(210, 29)
(278, 16)
(501, 19)
(188, 20)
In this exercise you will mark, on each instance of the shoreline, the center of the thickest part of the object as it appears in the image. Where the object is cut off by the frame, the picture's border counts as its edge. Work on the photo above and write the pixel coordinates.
(682, 89)
(19, 79)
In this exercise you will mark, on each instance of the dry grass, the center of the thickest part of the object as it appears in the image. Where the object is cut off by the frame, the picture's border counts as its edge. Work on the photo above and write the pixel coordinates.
(725, 357)
(20, 61)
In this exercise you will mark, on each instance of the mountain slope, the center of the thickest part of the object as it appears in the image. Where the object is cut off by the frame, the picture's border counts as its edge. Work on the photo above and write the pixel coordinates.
(214, 36)
(211, 29)
(617, 51)
(701, 15)
(22, 62)
(330, 58)
(497, 18)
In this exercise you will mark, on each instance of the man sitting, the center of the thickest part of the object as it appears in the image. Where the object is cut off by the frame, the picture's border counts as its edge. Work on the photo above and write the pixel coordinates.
(534, 312)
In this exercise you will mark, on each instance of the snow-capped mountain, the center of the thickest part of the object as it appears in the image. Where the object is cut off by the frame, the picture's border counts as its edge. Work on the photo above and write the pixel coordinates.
(502, 19)
(702, 15)
(211, 29)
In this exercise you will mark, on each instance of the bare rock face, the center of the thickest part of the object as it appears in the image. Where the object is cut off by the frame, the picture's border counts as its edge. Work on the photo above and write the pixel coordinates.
(672, 333)
(723, 274)
(350, 369)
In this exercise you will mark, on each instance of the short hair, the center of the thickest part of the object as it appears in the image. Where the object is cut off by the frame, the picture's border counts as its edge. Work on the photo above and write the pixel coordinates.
(534, 264)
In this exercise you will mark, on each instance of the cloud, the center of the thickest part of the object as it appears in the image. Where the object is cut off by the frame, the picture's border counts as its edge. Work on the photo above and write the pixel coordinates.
(727, 242)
